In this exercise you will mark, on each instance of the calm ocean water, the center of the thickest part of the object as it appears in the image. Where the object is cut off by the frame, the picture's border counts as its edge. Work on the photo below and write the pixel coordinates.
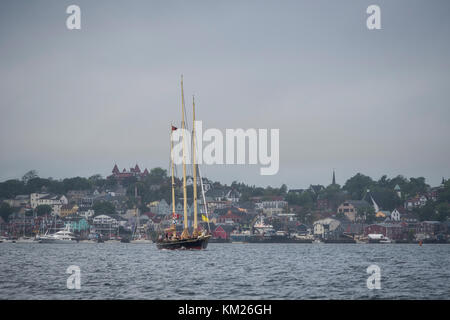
(225, 271)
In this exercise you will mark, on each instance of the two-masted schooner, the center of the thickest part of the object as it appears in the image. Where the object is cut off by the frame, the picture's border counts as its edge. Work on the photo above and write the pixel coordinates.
(198, 239)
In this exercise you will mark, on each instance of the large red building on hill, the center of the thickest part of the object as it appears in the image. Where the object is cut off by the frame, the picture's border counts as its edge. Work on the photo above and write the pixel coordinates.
(133, 172)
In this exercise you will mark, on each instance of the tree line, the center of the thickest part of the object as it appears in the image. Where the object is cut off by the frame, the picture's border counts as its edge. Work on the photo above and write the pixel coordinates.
(157, 186)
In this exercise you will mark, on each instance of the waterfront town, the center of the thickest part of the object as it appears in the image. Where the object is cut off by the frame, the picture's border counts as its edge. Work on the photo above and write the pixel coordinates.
(133, 201)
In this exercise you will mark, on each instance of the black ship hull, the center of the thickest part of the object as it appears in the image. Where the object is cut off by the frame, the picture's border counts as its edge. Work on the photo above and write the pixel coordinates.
(187, 244)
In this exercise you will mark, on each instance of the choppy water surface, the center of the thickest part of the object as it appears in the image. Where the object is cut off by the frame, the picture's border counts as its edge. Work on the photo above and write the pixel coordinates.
(225, 271)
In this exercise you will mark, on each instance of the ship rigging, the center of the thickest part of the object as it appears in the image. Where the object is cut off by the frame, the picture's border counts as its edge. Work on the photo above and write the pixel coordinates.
(198, 239)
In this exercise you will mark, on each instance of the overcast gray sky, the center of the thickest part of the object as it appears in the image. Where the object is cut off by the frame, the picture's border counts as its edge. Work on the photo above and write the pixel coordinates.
(344, 97)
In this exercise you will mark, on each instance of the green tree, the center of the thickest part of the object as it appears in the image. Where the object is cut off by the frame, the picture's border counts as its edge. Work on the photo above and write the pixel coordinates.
(427, 212)
(444, 193)
(56, 186)
(384, 182)
(400, 180)
(5, 211)
(43, 209)
(129, 181)
(357, 185)
(77, 183)
(29, 175)
(292, 198)
(334, 195)
(283, 190)
(366, 214)
(11, 188)
(96, 177)
(156, 176)
(385, 197)
(443, 212)
(111, 182)
(139, 187)
(416, 186)
(97, 180)
(103, 207)
(303, 199)
(37, 185)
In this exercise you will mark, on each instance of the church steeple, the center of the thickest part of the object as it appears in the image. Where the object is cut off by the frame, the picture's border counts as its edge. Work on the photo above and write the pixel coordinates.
(334, 179)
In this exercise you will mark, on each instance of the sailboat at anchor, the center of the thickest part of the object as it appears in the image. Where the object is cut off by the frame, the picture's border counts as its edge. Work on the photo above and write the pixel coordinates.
(197, 240)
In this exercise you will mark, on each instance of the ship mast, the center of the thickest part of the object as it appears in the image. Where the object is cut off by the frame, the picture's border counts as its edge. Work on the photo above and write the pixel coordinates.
(204, 198)
(173, 227)
(185, 233)
(194, 170)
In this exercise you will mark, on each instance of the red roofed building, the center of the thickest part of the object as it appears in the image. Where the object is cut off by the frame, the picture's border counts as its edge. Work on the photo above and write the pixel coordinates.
(133, 172)
(220, 233)
(392, 231)
(136, 169)
(229, 218)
